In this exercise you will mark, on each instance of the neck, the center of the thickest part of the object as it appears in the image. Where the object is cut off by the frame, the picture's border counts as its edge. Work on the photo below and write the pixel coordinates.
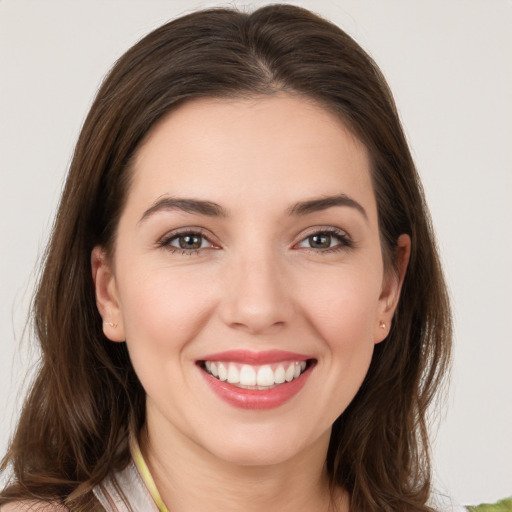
(190, 478)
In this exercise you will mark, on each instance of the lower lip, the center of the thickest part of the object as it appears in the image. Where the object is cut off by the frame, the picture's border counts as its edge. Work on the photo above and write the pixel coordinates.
(255, 398)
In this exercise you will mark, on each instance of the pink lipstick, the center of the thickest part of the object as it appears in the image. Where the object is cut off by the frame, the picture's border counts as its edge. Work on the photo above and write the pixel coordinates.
(256, 380)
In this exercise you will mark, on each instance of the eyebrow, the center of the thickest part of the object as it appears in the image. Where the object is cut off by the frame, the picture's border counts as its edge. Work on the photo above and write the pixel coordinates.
(212, 209)
(198, 206)
(323, 203)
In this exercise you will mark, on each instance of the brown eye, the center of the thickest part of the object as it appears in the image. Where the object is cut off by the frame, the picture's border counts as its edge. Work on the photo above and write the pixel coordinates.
(190, 241)
(320, 241)
(326, 241)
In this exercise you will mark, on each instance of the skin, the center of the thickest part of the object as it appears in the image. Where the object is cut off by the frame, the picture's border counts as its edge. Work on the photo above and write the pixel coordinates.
(256, 284)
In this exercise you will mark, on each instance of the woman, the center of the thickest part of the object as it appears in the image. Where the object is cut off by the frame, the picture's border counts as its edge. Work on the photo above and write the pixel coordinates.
(241, 306)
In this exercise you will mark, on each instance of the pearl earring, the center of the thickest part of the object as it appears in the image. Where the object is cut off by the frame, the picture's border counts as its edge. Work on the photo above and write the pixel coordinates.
(382, 324)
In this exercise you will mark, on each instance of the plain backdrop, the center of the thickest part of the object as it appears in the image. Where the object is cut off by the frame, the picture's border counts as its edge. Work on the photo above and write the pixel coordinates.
(449, 64)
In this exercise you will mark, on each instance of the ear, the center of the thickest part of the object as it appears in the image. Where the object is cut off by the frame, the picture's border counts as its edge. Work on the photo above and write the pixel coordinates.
(107, 297)
(391, 287)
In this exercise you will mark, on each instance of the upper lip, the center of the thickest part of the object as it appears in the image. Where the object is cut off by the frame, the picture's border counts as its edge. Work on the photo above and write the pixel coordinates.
(256, 358)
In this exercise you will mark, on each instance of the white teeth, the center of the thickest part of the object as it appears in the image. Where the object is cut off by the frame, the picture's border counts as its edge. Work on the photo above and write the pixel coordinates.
(265, 376)
(289, 373)
(233, 374)
(255, 377)
(247, 375)
(223, 372)
(279, 375)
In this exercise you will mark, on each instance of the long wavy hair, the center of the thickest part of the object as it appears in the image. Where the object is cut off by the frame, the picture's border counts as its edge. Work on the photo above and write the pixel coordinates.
(74, 424)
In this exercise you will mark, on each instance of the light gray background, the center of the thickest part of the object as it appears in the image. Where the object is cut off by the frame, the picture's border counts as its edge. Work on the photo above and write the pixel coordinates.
(449, 64)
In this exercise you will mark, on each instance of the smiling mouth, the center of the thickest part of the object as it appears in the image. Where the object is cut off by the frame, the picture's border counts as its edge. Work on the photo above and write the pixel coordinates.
(257, 377)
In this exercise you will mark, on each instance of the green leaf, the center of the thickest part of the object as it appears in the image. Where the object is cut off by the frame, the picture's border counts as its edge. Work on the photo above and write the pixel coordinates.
(500, 506)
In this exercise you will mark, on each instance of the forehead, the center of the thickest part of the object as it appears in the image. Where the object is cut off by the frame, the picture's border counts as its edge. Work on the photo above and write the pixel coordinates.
(264, 150)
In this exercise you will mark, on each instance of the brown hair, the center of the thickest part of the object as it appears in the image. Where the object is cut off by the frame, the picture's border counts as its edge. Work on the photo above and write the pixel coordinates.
(74, 424)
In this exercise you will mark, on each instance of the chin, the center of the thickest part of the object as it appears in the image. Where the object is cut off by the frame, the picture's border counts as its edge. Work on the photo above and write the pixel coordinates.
(255, 455)
(264, 446)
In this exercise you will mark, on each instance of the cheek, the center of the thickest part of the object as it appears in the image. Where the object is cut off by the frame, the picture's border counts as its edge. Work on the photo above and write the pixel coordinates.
(163, 310)
(342, 306)
(341, 312)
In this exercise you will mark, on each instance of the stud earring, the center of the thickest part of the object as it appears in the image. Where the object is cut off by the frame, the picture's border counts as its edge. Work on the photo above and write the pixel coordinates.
(111, 324)
(382, 324)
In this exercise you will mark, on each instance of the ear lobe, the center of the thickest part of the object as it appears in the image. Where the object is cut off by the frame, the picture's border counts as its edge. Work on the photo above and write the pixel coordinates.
(107, 298)
(391, 287)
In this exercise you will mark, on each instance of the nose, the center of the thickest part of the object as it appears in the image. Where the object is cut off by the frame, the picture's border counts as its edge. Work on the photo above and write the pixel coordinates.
(257, 297)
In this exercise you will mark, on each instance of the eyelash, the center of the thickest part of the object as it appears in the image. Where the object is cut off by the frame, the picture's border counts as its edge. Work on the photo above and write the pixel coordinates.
(165, 242)
(343, 238)
(345, 242)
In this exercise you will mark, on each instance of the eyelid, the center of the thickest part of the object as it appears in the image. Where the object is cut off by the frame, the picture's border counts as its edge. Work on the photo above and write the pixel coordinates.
(346, 239)
(164, 240)
(323, 229)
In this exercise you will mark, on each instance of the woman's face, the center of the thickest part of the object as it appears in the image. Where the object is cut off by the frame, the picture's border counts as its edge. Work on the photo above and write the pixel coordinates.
(247, 278)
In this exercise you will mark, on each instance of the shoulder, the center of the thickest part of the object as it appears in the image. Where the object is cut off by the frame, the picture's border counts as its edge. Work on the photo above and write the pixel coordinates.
(32, 506)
